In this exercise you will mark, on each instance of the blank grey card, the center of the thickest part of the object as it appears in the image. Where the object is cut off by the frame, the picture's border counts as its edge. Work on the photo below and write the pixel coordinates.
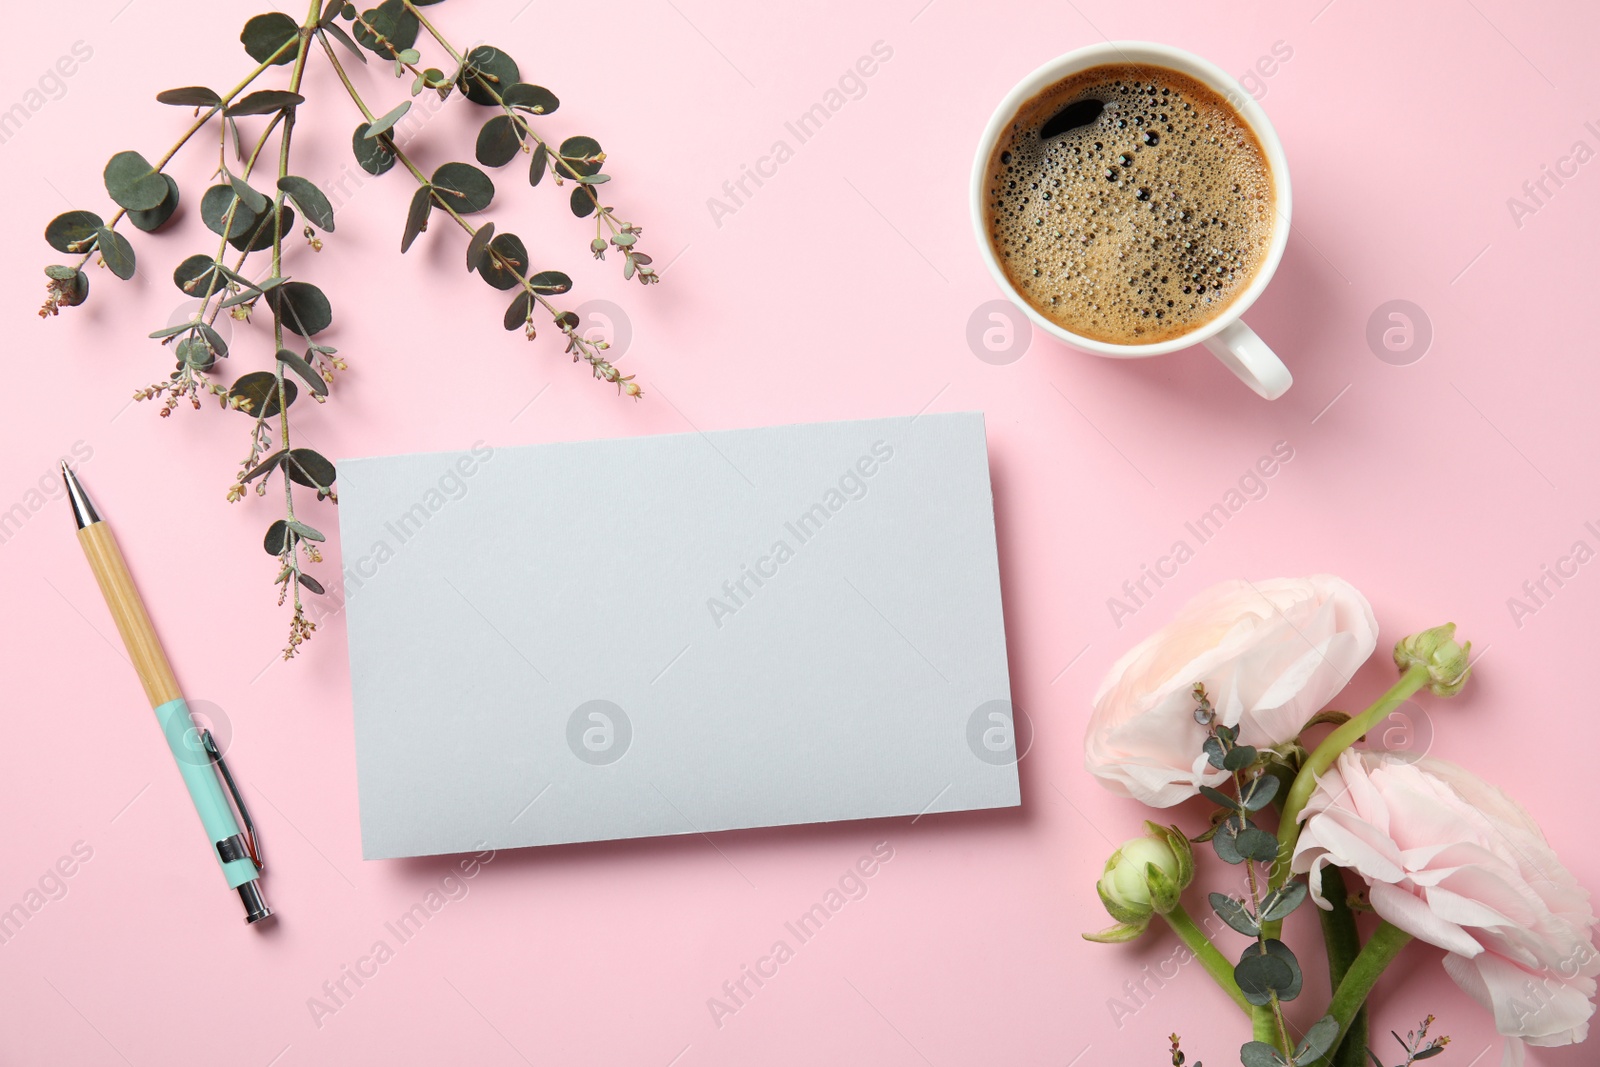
(678, 634)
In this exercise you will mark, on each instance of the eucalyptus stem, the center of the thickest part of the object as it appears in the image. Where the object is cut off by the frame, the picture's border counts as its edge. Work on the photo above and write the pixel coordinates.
(433, 31)
(300, 627)
(1266, 1019)
(1365, 970)
(1216, 965)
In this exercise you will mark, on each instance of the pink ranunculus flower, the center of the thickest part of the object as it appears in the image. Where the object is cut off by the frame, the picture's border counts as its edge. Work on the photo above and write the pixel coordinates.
(1271, 654)
(1454, 862)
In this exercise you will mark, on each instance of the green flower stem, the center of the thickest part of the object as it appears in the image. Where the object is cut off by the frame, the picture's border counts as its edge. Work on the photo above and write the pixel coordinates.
(1351, 995)
(1216, 965)
(1323, 757)
(1263, 1026)
(1343, 943)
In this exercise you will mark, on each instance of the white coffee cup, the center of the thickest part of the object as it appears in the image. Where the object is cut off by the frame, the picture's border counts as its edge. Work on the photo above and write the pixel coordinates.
(1229, 339)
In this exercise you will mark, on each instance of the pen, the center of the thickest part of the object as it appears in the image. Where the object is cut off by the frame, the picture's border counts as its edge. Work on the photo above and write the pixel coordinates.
(199, 760)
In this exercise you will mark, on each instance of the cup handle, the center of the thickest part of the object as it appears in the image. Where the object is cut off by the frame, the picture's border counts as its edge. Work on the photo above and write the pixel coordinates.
(1248, 356)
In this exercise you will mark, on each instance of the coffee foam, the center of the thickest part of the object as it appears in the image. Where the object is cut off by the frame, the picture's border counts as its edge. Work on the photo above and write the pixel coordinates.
(1141, 225)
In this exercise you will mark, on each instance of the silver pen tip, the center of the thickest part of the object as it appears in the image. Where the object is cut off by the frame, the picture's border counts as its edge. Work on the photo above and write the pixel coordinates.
(82, 507)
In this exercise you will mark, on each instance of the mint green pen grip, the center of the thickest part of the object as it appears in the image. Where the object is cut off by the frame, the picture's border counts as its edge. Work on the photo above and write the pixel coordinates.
(216, 814)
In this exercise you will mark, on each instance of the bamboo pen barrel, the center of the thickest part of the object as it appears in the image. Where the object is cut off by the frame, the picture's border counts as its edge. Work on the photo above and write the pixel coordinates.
(133, 622)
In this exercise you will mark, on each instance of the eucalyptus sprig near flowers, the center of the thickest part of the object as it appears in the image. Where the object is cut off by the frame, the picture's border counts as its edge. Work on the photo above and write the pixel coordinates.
(1218, 705)
(248, 221)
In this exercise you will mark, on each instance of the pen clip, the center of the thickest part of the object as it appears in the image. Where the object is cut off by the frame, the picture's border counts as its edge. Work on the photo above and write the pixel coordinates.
(251, 843)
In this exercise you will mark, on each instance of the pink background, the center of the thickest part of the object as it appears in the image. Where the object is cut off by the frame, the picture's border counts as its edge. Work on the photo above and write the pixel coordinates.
(841, 289)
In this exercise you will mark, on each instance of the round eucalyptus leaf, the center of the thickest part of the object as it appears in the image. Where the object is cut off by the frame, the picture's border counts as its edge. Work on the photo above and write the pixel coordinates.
(1279, 950)
(265, 102)
(152, 220)
(71, 290)
(541, 163)
(1261, 1054)
(1256, 844)
(464, 187)
(581, 201)
(133, 183)
(517, 313)
(373, 156)
(1259, 976)
(264, 468)
(310, 583)
(480, 241)
(534, 98)
(580, 156)
(66, 230)
(117, 253)
(214, 207)
(259, 237)
(1234, 914)
(397, 25)
(213, 338)
(189, 96)
(416, 216)
(1282, 901)
(548, 282)
(309, 468)
(368, 29)
(334, 30)
(305, 370)
(260, 390)
(499, 141)
(487, 73)
(504, 275)
(1226, 840)
(580, 147)
(301, 307)
(313, 203)
(277, 538)
(195, 274)
(386, 123)
(1258, 792)
(265, 34)
(249, 196)
(194, 352)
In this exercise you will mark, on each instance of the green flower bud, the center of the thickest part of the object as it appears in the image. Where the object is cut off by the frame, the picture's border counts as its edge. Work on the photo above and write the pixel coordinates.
(1436, 649)
(1144, 877)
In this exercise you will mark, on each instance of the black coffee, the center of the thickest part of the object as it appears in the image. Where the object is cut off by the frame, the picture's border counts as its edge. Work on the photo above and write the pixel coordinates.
(1129, 203)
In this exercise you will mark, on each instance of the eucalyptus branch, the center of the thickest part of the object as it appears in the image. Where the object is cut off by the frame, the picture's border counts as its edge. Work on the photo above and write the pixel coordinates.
(505, 259)
(251, 221)
(297, 537)
(1268, 973)
(578, 158)
(199, 123)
